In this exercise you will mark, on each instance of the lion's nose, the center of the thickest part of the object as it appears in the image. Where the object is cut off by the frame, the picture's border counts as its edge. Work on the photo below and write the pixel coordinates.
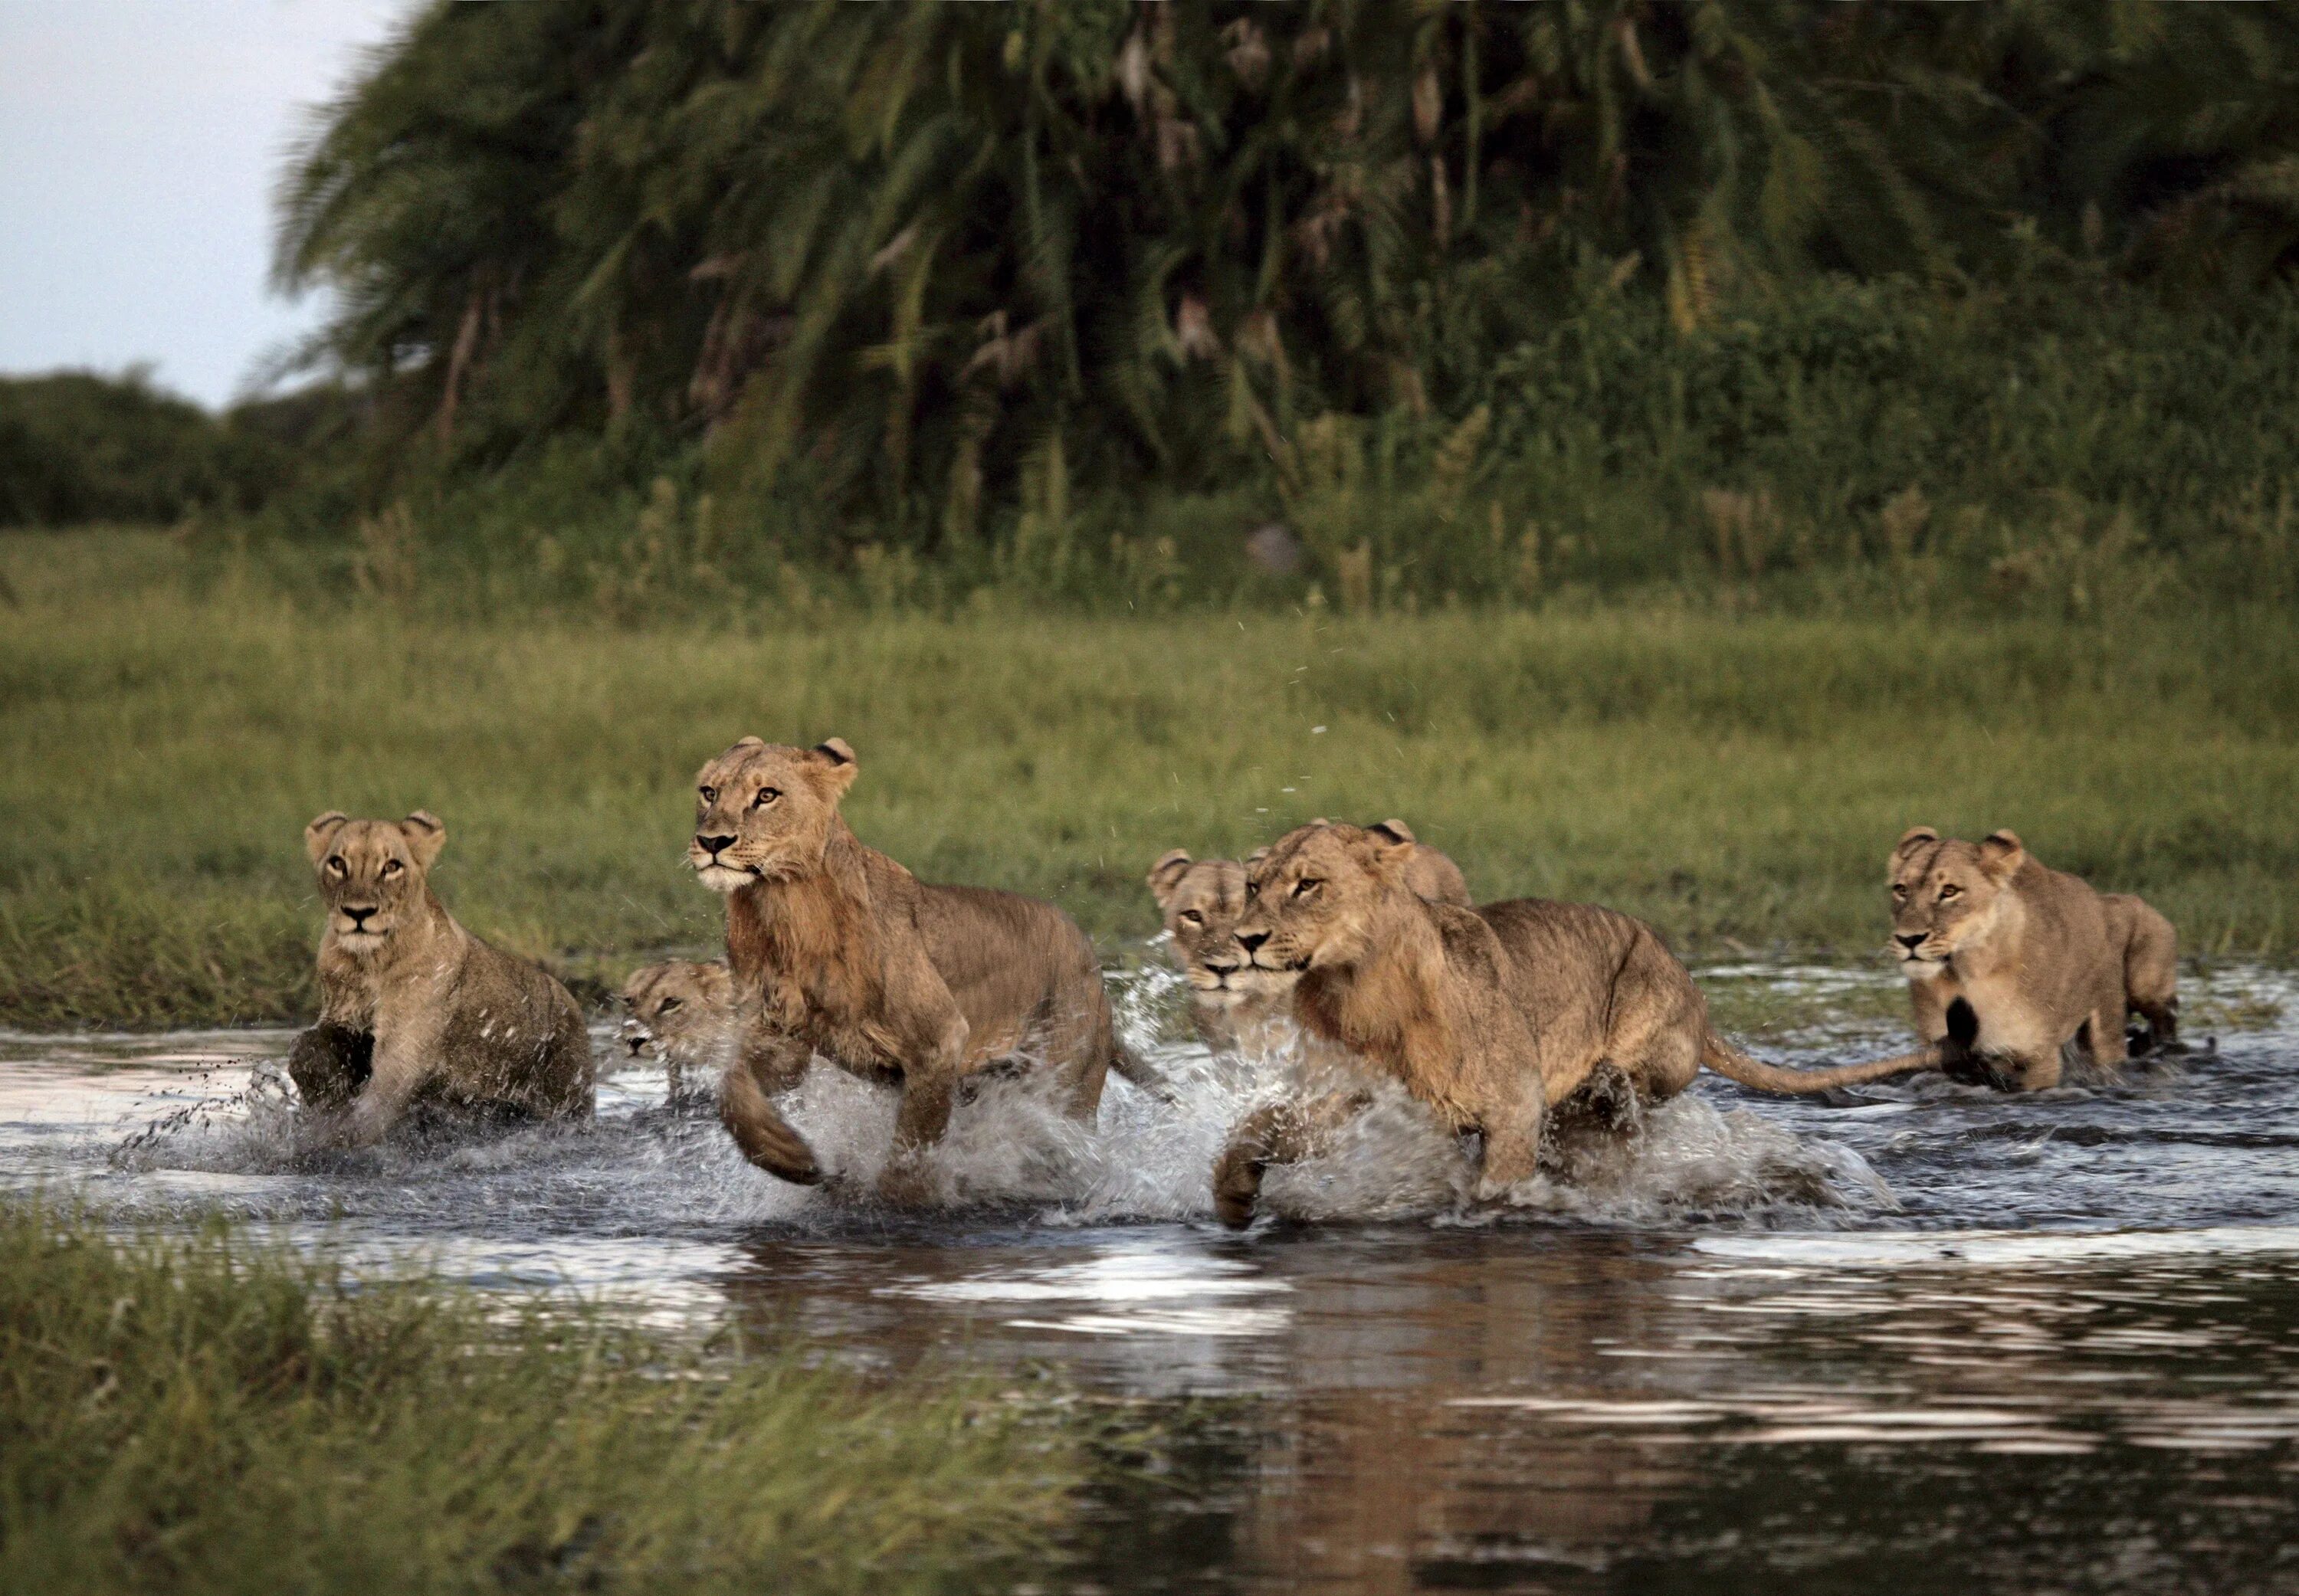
(1911, 940)
(358, 916)
(711, 845)
(1251, 940)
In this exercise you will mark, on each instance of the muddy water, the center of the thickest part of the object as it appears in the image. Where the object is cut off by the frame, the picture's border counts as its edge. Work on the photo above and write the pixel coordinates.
(1913, 1337)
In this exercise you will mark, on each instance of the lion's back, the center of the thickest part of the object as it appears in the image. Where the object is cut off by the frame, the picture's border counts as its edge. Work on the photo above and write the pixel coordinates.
(514, 1034)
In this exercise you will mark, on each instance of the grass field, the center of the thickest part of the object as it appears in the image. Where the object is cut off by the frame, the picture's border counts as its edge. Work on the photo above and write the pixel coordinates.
(206, 1413)
(1737, 780)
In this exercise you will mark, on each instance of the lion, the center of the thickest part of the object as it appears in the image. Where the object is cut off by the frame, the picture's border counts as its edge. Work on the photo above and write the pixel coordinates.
(835, 947)
(1236, 1006)
(684, 1014)
(1492, 1017)
(415, 1011)
(2008, 962)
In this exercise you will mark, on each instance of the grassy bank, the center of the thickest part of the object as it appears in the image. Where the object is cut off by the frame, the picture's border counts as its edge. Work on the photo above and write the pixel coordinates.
(1739, 780)
(210, 1414)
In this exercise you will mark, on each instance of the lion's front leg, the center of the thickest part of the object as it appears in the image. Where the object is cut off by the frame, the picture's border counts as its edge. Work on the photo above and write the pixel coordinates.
(929, 1092)
(1276, 1133)
(759, 1129)
(403, 1062)
(329, 1064)
(1512, 1141)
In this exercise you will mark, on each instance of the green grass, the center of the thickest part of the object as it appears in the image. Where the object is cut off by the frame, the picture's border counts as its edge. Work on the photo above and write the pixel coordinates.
(1737, 780)
(206, 1413)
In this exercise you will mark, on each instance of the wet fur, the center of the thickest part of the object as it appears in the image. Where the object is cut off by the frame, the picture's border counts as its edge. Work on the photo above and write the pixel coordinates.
(1492, 1017)
(2011, 961)
(684, 1013)
(423, 1014)
(837, 948)
(1236, 1007)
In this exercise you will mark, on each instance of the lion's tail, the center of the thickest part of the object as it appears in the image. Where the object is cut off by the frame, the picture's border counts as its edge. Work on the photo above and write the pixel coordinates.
(1135, 1068)
(1733, 1064)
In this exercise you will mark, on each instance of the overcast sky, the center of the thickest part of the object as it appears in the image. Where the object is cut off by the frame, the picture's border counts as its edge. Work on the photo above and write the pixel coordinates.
(139, 144)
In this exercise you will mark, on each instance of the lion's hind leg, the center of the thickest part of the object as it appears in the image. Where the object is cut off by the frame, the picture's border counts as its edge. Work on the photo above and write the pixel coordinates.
(2151, 981)
(1277, 1133)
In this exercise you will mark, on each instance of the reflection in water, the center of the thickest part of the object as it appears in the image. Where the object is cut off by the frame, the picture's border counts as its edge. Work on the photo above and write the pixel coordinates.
(1919, 1338)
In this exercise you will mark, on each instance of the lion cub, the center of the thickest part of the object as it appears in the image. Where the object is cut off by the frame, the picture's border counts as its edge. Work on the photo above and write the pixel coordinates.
(2008, 962)
(413, 1009)
(684, 1014)
(1237, 1007)
(836, 949)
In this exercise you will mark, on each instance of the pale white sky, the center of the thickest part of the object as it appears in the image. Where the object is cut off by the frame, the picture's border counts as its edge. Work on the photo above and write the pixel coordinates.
(139, 144)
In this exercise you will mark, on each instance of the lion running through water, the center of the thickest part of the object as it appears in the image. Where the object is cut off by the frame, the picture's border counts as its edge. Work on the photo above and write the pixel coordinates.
(1492, 1017)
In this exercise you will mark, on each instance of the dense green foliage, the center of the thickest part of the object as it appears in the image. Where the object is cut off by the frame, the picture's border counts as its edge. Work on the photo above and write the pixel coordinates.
(961, 267)
(77, 447)
(2021, 452)
(208, 1413)
(1736, 780)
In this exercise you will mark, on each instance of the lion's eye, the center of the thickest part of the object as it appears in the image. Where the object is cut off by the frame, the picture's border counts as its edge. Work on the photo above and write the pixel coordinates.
(1950, 891)
(667, 1005)
(393, 867)
(710, 795)
(1193, 917)
(335, 862)
(1303, 887)
(766, 794)
(1899, 891)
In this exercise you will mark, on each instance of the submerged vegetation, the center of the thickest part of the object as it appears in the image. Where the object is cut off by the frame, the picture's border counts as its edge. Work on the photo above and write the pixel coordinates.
(172, 724)
(208, 1412)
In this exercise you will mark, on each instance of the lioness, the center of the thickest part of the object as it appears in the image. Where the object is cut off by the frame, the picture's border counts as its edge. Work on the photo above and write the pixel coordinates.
(834, 947)
(1491, 1016)
(2007, 962)
(1235, 1006)
(683, 1012)
(415, 1009)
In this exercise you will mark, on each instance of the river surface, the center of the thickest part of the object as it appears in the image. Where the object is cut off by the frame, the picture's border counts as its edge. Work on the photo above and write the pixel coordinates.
(1915, 1337)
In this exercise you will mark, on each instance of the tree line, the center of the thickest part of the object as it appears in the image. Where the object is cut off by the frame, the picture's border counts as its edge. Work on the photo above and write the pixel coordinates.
(920, 257)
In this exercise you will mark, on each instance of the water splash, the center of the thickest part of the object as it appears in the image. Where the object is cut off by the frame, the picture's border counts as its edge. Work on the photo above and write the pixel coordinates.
(647, 1163)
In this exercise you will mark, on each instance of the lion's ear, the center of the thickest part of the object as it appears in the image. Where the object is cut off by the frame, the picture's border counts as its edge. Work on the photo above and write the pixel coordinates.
(1166, 876)
(1913, 838)
(322, 832)
(426, 835)
(743, 743)
(1389, 845)
(837, 763)
(2001, 854)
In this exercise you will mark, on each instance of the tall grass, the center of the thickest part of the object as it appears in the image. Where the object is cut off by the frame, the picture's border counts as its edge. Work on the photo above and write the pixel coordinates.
(207, 1413)
(1737, 780)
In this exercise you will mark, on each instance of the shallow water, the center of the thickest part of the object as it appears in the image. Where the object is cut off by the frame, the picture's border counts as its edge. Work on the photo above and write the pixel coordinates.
(1919, 1338)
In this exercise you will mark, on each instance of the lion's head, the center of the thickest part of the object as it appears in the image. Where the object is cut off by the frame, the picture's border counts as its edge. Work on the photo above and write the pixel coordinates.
(1947, 893)
(678, 1009)
(1311, 895)
(764, 811)
(372, 873)
(1201, 900)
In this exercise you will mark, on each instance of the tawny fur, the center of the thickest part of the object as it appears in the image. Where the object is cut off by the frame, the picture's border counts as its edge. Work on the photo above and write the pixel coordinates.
(413, 1009)
(836, 949)
(1492, 1017)
(683, 1012)
(1236, 1006)
(2008, 962)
